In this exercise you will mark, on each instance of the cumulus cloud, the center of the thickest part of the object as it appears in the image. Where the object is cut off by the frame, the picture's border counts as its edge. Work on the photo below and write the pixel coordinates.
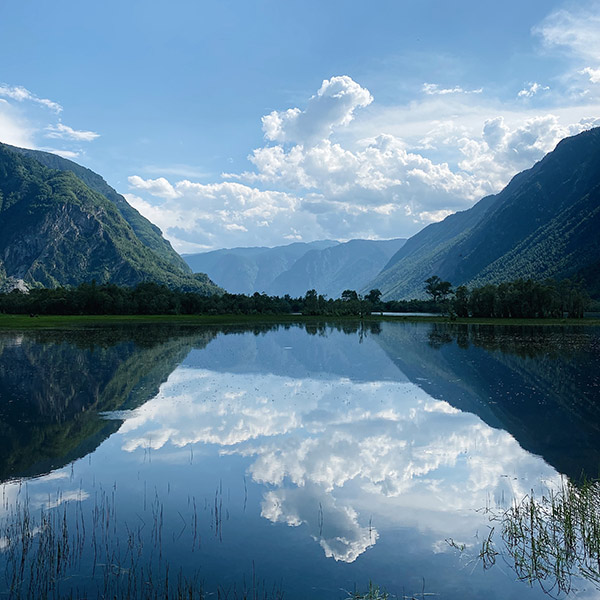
(532, 90)
(64, 132)
(433, 89)
(21, 94)
(593, 74)
(504, 150)
(157, 187)
(204, 213)
(329, 169)
(333, 105)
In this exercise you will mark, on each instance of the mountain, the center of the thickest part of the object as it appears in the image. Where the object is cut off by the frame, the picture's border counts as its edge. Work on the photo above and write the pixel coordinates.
(332, 270)
(249, 270)
(544, 223)
(56, 230)
(148, 233)
(329, 267)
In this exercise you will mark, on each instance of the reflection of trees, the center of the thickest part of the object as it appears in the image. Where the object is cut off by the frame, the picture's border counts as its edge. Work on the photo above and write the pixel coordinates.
(53, 384)
(538, 383)
(524, 341)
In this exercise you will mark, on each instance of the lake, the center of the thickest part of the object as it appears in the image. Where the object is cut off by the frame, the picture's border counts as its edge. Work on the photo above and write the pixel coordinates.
(291, 461)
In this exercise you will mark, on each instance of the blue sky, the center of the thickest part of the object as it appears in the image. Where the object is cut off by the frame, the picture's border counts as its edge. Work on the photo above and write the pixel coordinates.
(262, 123)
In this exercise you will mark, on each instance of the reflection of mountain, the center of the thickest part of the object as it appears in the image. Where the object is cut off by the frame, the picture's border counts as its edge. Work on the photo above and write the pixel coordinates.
(536, 383)
(49, 410)
(539, 384)
(331, 448)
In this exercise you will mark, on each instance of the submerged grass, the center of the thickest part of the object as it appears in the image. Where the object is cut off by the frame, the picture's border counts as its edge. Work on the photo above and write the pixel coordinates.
(80, 549)
(551, 539)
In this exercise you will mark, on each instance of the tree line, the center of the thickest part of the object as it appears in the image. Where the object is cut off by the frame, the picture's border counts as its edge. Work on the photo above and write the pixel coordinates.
(515, 299)
(518, 299)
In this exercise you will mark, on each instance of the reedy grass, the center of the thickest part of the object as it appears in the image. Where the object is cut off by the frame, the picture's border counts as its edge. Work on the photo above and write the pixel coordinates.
(550, 539)
(81, 549)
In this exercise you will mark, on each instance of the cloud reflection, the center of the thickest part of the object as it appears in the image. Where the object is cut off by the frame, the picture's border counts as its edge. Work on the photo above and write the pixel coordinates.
(334, 452)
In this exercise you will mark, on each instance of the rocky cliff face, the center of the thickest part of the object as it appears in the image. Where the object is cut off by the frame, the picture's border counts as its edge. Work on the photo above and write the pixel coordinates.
(55, 230)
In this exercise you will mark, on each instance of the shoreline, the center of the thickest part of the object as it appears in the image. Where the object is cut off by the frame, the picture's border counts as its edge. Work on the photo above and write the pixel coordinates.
(14, 322)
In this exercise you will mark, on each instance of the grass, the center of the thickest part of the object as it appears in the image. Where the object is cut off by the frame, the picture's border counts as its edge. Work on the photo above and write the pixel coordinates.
(82, 549)
(552, 539)
(72, 321)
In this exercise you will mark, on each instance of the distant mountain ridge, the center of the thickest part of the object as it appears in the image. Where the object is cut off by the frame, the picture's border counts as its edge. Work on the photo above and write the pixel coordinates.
(328, 266)
(57, 230)
(544, 223)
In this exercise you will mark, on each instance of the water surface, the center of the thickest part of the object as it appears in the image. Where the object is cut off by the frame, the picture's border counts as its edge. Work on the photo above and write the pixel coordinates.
(307, 459)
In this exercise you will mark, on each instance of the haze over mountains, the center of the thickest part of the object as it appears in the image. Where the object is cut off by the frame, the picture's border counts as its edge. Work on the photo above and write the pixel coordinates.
(62, 224)
(327, 266)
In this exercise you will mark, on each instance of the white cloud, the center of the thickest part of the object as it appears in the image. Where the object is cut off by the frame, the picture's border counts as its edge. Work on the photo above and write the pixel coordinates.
(434, 216)
(21, 94)
(330, 170)
(64, 132)
(532, 90)
(575, 30)
(230, 212)
(593, 74)
(70, 154)
(157, 187)
(332, 106)
(504, 151)
(14, 129)
(433, 89)
(332, 452)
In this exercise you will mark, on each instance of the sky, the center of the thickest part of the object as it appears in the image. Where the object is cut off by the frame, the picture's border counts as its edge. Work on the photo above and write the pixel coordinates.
(261, 123)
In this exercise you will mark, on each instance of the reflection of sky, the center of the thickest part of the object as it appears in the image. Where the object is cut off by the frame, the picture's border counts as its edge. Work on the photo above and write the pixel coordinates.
(335, 453)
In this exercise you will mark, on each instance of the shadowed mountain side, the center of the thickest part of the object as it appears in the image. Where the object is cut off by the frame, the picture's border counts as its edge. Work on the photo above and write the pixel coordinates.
(543, 224)
(538, 385)
(249, 270)
(48, 417)
(148, 233)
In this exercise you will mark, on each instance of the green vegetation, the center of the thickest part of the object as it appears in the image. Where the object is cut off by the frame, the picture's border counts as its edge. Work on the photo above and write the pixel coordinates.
(544, 224)
(552, 539)
(82, 549)
(55, 230)
(147, 233)
(522, 299)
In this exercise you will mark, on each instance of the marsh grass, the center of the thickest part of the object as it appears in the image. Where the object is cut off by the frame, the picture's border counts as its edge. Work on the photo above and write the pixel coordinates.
(551, 539)
(79, 548)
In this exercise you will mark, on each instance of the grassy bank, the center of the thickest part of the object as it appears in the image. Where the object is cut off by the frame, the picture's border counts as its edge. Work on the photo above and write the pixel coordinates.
(61, 322)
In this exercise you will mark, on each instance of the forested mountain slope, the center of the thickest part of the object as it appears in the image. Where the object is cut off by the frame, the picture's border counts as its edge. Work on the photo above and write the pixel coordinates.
(545, 223)
(55, 230)
(148, 233)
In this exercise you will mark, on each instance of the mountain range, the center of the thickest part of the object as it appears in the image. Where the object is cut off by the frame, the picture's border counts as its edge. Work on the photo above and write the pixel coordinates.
(62, 224)
(544, 223)
(327, 266)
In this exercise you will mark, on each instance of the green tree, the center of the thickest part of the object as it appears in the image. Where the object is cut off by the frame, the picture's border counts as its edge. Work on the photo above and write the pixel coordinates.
(437, 289)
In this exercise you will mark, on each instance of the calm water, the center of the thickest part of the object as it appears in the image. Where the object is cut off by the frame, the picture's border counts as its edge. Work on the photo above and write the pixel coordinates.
(308, 459)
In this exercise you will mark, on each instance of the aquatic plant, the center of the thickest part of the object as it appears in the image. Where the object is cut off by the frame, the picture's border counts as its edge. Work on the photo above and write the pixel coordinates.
(551, 539)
